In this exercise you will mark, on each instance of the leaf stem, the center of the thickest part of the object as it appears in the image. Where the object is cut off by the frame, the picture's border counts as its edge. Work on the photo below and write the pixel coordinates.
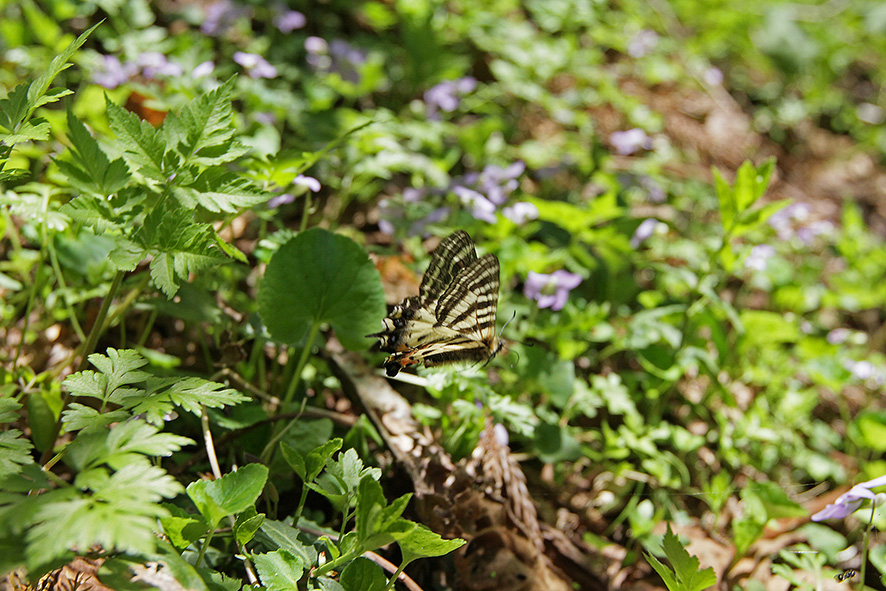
(302, 361)
(99, 325)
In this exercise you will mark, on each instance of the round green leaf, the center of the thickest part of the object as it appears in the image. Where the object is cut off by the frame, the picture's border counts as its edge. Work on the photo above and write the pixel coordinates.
(319, 277)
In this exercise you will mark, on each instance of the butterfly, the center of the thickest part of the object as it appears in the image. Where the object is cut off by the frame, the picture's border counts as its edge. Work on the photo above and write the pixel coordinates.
(845, 575)
(452, 319)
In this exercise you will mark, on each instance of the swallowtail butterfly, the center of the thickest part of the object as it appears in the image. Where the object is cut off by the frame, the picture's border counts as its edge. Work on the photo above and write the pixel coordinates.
(452, 319)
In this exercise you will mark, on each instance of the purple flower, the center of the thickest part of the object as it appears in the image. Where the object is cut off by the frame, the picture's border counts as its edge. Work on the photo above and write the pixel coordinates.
(445, 95)
(154, 63)
(220, 16)
(849, 502)
(497, 182)
(550, 291)
(287, 21)
(644, 231)
(642, 43)
(309, 182)
(256, 66)
(204, 69)
(713, 76)
(838, 335)
(807, 233)
(302, 183)
(864, 371)
(628, 142)
(481, 207)
(654, 191)
(112, 73)
(521, 212)
(758, 256)
(782, 221)
(337, 57)
(275, 202)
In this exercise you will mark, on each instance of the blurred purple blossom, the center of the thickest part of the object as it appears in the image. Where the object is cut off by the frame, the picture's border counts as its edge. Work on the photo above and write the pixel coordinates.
(550, 291)
(481, 207)
(521, 212)
(642, 43)
(644, 231)
(759, 256)
(628, 142)
(337, 57)
(287, 20)
(713, 76)
(497, 182)
(255, 65)
(446, 95)
(807, 233)
(654, 191)
(302, 185)
(849, 502)
(782, 221)
(154, 63)
(838, 335)
(204, 69)
(220, 16)
(112, 73)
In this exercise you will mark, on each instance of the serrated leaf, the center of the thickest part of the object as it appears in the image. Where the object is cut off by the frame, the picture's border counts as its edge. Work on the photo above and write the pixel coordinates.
(78, 416)
(686, 574)
(41, 420)
(120, 514)
(29, 131)
(122, 444)
(144, 145)
(183, 531)
(91, 171)
(58, 64)
(279, 570)
(362, 574)
(15, 452)
(285, 537)
(203, 124)
(230, 494)
(9, 410)
(376, 522)
(218, 190)
(319, 277)
(162, 395)
(14, 108)
(421, 542)
(180, 246)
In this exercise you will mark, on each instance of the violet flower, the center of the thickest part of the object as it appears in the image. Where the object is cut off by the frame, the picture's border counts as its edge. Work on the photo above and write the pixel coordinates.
(849, 502)
(255, 65)
(644, 231)
(446, 95)
(154, 63)
(287, 21)
(112, 73)
(481, 207)
(758, 257)
(521, 212)
(550, 291)
(220, 16)
(628, 142)
(204, 69)
(304, 183)
(642, 43)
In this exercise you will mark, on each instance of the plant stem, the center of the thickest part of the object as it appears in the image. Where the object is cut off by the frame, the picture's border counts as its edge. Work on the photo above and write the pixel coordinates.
(99, 325)
(204, 546)
(302, 361)
(394, 577)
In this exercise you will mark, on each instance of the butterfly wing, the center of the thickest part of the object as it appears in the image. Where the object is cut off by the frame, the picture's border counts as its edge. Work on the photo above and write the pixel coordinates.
(454, 253)
(469, 304)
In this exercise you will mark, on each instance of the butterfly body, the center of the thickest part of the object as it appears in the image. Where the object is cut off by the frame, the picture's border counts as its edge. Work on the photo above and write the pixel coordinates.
(452, 319)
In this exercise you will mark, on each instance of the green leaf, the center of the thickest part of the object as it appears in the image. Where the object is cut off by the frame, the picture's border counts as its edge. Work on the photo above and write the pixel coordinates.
(182, 529)
(279, 570)
(203, 124)
(342, 477)
(230, 494)
(726, 199)
(309, 466)
(218, 190)
(9, 410)
(362, 574)
(144, 145)
(554, 443)
(41, 420)
(190, 394)
(91, 171)
(14, 109)
(247, 524)
(120, 445)
(421, 542)
(686, 574)
(319, 277)
(15, 452)
(120, 514)
(285, 537)
(871, 426)
(376, 522)
(180, 246)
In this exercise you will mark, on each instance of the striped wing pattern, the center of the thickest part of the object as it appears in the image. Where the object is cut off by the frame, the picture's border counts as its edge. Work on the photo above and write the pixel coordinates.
(452, 319)
(453, 254)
